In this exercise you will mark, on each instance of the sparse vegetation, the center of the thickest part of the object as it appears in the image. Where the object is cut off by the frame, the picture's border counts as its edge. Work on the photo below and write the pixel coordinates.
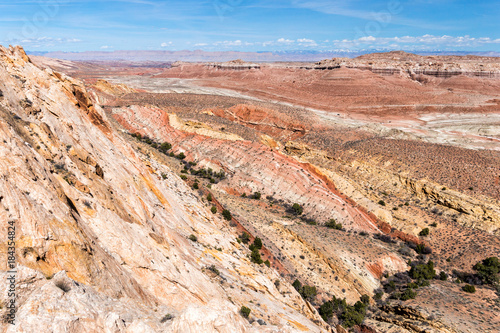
(213, 210)
(488, 270)
(256, 196)
(245, 238)
(297, 209)
(193, 238)
(227, 215)
(469, 289)
(424, 232)
(245, 312)
(214, 270)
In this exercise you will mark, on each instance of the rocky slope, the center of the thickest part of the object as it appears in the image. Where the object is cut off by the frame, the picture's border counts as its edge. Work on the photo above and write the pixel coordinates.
(102, 231)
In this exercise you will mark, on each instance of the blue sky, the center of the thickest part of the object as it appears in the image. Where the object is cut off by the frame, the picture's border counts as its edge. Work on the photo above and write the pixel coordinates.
(251, 25)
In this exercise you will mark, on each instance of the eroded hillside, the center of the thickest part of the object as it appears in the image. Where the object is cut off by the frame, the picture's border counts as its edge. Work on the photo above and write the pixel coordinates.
(111, 239)
(347, 210)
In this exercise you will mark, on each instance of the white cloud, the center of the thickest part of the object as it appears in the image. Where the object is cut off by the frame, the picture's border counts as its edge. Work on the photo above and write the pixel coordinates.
(285, 41)
(306, 42)
(229, 43)
(105, 47)
(424, 41)
(200, 44)
(166, 44)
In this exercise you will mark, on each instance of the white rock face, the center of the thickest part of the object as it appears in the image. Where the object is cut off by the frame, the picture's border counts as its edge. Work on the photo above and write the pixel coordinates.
(102, 239)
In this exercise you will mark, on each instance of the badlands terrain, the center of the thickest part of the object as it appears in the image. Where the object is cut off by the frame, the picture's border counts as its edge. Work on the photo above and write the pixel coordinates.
(348, 194)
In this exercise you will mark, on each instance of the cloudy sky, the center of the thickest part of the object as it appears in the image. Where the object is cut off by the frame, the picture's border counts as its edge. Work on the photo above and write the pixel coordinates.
(251, 25)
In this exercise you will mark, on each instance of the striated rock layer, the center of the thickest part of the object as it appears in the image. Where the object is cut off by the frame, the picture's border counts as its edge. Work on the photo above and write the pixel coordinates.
(102, 238)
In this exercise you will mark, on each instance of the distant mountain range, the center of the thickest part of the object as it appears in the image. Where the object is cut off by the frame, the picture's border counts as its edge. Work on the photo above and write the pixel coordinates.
(206, 56)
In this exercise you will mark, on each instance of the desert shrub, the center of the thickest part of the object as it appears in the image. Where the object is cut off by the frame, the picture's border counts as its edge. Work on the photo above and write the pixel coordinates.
(245, 312)
(297, 285)
(308, 292)
(378, 294)
(255, 257)
(196, 186)
(267, 263)
(381, 202)
(353, 315)
(257, 196)
(469, 289)
(443, 276)
(421, 248)
(227, 215)
(245, 238)
(257, 243)
(488, 270)
(326, 310)
(213, 210)
(244, 195)
(166, 318)
(384, 238)
(181, 156)
(184, 177)
(409, 293)
(423, 271)
(214, 269)
(424, 232)
(193, 238)
(297, 209)
(332, 224)
(209, 197)
(165, 146)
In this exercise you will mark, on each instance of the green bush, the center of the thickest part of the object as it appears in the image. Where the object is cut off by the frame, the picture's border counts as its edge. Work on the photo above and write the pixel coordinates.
(256, 196)
(297, 285)
(308, 292)
(227, 215)
(245, 312)
(409, 293)
(267, 263)
(193, 238)
(443, 276)
(213, 210)
(209, 197)
(353, 315)
(245, 238)
(488, 270)
(214, 270)
(378, 295)
(381, 202)
(181, 156)
(196, 186)
(332, 224)
(469, 289)
(424, 232)
(423, 271)
(165, 146)
(184, 177)
(257, 243)
(255, 257)
(297, 209)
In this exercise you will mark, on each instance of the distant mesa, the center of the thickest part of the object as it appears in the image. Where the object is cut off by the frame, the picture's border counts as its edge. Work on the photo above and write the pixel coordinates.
(237, 64)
